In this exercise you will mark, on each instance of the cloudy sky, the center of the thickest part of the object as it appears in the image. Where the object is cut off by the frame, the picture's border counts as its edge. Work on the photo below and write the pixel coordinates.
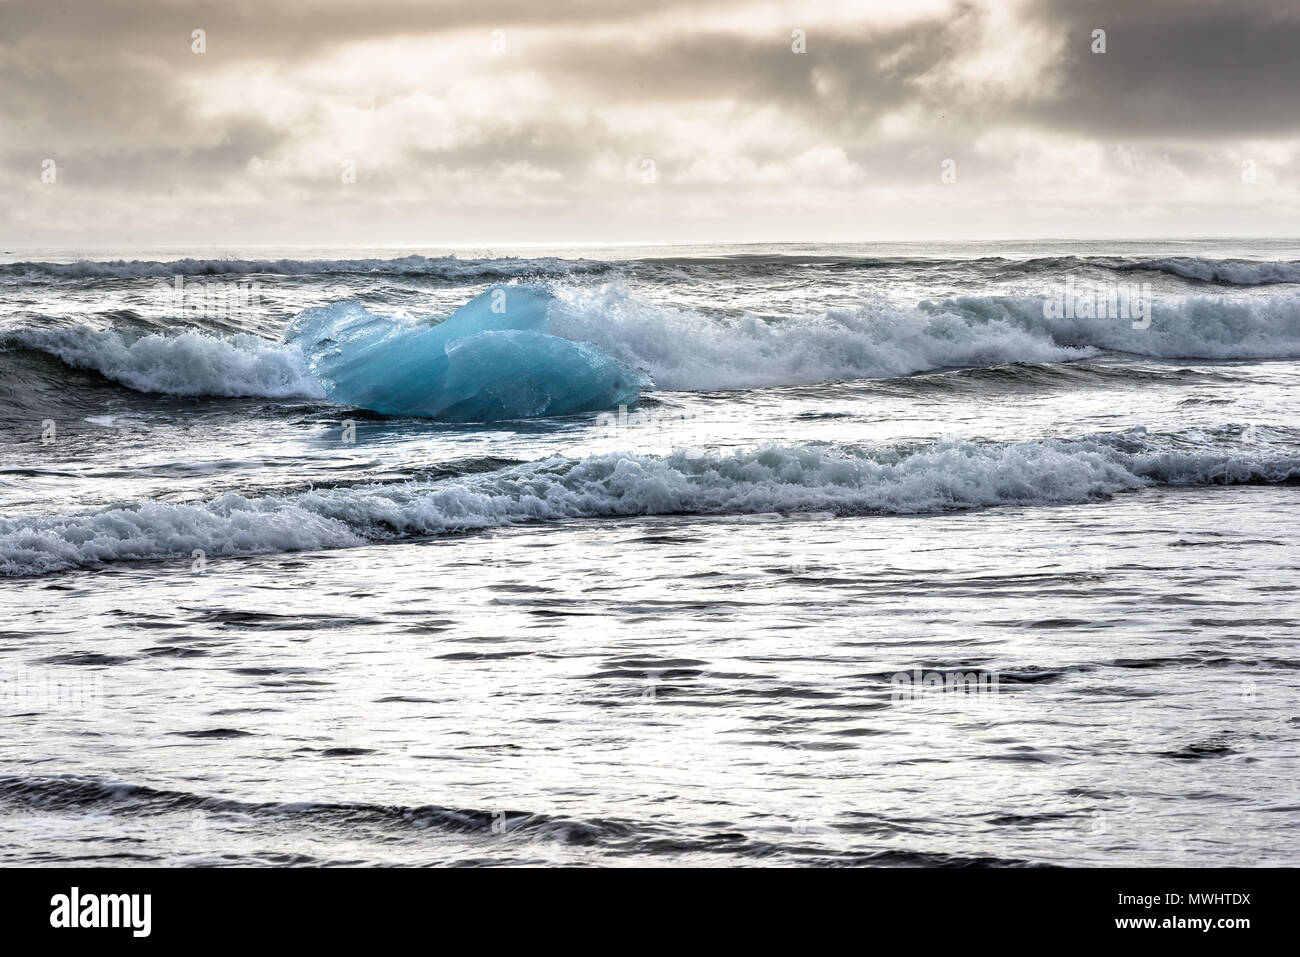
(563, 121)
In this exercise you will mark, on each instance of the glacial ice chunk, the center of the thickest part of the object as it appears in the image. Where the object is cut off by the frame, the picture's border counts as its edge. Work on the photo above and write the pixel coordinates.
(492, 359)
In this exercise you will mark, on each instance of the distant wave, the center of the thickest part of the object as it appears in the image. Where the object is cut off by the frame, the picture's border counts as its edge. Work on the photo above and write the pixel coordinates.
(1236, 272)
(1228, 272)
(899, 479)
(1231, 271)
(444, 267)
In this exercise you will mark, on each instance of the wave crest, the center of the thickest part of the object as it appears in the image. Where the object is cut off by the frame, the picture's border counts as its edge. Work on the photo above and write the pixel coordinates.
(187, 363)
(685, 350)
(1233, 272)
(948, 475)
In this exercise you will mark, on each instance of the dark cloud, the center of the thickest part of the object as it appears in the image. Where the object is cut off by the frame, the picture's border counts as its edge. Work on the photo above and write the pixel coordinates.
(1205, 69)
(845, 78)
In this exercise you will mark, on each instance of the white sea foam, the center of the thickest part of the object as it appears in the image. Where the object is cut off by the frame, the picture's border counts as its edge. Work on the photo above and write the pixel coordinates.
(902, 480)
(685, 350)
(185, 363)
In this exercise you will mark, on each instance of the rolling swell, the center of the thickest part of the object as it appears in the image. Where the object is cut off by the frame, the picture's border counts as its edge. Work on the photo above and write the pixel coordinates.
(68, 793)
(36, 385)
(903, 479)
(1226, 272)
(447, 267)
(71, 794)
(1202, 269)
(1199, 269)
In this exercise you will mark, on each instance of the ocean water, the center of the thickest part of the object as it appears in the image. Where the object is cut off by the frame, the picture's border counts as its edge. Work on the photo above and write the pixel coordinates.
(906, 558)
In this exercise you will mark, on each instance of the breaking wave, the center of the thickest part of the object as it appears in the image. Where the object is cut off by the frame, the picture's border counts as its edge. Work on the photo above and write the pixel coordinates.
(189, 363)
(684, 349)
(936, 477)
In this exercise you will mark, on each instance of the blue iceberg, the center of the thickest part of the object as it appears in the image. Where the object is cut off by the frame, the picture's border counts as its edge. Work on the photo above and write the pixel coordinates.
(492, 359)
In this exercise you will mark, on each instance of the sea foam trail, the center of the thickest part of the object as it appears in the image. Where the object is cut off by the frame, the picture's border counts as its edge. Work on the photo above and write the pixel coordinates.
(899, 480)
(442, 267)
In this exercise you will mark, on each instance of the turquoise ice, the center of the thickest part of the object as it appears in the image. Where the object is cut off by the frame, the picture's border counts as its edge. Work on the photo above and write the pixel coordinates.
(492, 359)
